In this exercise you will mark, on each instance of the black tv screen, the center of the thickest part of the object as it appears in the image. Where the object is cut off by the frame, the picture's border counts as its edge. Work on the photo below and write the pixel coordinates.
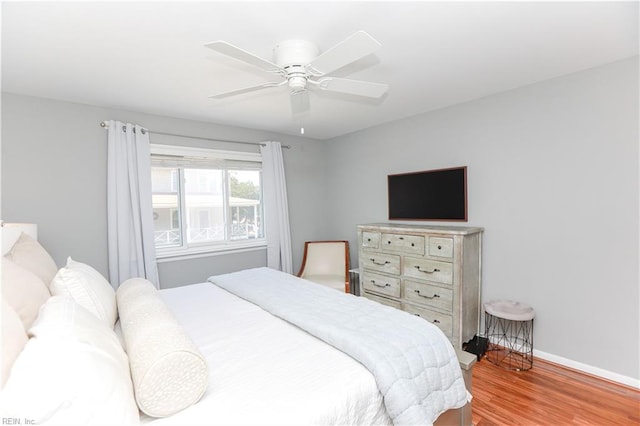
(429, 195)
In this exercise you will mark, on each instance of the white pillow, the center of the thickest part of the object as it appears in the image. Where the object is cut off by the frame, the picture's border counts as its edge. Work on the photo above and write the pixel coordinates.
(13, 339)
(23, 291)
(169, 373)
(72, 371)
(88, 288)
(29, 254)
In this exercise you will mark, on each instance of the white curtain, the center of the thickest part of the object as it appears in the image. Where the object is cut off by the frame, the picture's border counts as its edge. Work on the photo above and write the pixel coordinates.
(276, 208)
(129, 205)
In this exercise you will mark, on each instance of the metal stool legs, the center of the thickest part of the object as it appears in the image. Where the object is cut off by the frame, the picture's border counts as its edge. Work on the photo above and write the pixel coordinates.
(510, 342)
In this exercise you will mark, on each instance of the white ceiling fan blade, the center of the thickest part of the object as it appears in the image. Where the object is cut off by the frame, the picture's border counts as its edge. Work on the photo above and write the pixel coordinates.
(247, 89)
(349, 50)
(300, 102)
(353, 87)
(242, 55)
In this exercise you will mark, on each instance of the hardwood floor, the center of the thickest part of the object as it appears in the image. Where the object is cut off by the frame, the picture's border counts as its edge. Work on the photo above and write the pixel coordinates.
(549, 394)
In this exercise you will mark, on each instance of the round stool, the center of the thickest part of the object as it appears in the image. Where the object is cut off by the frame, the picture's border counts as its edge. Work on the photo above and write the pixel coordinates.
(509, 329)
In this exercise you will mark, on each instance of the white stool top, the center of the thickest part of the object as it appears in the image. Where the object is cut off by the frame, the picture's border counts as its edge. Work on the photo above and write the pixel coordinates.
(508, 309)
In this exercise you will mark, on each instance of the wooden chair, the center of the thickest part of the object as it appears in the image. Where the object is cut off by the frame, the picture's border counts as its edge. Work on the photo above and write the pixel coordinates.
(326, 263)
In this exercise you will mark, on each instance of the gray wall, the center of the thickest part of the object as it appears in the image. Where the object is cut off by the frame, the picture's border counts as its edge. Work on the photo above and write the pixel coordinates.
(54, 174)
(553, 179)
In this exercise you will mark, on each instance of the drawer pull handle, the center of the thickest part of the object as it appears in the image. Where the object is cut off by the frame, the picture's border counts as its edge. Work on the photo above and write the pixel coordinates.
(435, 296)
(401, 238)
(386, 262)
(435, 321)
(439, 247)
(427, 272)
(380, 285)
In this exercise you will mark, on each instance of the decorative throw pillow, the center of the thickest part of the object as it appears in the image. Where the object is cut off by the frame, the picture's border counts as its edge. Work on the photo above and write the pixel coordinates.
(72, 371)
(13, 339)
(23, 291)
(169, 373)
(66, 319)
(88, 288)
(29, 254)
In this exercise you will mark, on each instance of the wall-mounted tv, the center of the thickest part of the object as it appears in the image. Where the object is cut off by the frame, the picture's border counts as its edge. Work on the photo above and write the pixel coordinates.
(429, 195)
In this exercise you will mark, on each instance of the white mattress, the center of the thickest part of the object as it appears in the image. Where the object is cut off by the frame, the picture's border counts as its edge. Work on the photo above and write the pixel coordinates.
(264, 370)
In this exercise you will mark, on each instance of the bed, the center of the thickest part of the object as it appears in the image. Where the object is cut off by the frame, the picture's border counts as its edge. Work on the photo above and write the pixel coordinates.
(200, 354)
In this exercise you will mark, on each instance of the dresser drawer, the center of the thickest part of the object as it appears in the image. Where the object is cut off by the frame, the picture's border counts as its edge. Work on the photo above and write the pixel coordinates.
(413, 244)
(382, 300)
(371, 240)
(427, 294)
(443, 321)
(388, 263)
(382, 284)
(426, 269)
(441, 247)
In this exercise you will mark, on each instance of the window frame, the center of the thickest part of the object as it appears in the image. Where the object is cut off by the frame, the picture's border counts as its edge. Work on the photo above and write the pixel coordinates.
(200, 249)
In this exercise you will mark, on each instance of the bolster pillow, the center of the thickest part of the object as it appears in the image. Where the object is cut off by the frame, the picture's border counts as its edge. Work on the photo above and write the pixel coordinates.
(169, 374)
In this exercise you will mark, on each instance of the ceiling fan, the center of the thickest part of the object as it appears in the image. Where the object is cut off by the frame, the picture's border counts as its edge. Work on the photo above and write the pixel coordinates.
(299, 64)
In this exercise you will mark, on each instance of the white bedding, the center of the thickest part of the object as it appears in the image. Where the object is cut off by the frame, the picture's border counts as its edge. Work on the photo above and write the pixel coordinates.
(413, 362)
(266, 371)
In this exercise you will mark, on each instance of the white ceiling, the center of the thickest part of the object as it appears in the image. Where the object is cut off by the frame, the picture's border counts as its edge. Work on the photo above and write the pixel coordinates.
(149, 56)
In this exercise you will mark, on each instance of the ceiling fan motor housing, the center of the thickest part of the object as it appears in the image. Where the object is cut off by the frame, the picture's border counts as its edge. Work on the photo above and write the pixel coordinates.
(295, 52)
(292, 56)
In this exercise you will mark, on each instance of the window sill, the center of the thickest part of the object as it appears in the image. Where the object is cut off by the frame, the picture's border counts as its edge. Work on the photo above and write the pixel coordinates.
(208, 251)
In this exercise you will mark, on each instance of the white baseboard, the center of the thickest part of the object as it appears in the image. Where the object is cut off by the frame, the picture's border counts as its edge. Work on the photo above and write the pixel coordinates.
(595, 371)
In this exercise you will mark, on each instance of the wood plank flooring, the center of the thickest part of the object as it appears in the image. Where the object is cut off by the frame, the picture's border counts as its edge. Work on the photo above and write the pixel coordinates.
(549, 394)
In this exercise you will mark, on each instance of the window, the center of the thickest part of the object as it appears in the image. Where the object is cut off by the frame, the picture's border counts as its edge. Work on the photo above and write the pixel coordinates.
(205, 200)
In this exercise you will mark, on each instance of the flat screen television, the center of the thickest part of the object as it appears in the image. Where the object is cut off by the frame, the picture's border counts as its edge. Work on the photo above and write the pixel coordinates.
(429, 195)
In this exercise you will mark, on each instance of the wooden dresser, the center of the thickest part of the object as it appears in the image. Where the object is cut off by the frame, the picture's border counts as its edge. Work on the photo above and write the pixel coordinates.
(430, 271)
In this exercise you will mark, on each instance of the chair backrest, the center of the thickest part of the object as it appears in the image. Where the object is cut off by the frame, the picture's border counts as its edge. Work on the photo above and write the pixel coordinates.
(325, 258)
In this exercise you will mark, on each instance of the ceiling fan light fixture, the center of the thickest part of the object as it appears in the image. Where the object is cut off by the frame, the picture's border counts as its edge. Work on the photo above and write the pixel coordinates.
(297, 83)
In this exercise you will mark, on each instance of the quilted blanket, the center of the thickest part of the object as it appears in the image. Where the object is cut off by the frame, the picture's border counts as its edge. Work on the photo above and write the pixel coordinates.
(414, 364)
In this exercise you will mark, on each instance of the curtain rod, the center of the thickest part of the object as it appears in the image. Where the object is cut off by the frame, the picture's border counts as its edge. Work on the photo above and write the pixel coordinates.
(104, 125)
